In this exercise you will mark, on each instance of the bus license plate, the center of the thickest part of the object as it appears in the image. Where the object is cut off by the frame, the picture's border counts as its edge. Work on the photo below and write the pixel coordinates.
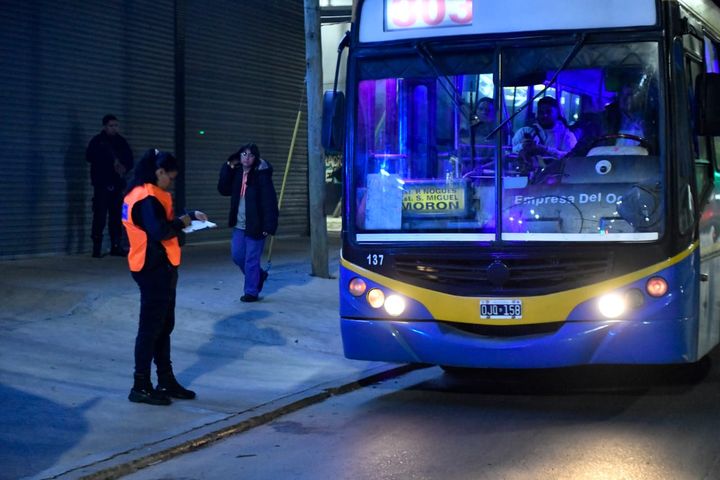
(501, 309)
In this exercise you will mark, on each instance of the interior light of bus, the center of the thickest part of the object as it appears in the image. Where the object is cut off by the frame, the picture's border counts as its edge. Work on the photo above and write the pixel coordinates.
(395, 305)
(634, 298)
(357, 287)
(656, 287)
(376, 298)
(612, 305)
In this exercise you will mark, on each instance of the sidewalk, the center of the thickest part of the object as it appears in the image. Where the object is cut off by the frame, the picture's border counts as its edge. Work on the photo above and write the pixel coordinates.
(66, 357)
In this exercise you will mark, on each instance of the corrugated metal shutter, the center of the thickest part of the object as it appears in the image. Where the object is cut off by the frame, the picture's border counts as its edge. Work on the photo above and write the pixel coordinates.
(245, 73)
(63, 66)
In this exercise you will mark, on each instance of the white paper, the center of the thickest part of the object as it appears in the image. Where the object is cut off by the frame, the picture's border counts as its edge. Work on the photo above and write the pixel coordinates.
(199, 225)
(383, 204)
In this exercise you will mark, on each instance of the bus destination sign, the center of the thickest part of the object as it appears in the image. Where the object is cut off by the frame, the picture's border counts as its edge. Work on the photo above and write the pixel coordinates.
(409, 14)
(435, 199)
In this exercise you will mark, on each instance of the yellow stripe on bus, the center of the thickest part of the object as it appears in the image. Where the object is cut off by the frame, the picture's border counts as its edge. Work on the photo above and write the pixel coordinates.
(539, 309)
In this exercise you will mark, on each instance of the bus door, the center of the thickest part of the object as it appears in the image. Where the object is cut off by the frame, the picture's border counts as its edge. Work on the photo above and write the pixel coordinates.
(702, 56)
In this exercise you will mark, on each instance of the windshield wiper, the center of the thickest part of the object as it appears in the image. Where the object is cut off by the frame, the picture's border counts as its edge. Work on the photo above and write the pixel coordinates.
(450, 88)
(576, 49)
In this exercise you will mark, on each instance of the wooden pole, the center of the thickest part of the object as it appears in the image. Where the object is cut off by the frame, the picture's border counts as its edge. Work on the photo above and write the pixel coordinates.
(316, 161)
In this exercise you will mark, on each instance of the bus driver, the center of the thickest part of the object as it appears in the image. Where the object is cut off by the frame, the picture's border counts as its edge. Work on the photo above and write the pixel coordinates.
(549, 136)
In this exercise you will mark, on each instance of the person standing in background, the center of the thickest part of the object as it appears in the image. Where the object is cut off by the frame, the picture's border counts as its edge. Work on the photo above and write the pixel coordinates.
(247, 180)
(110, 159)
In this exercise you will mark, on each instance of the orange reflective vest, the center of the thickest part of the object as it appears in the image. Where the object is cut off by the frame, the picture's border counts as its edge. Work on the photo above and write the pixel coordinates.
(137, 236)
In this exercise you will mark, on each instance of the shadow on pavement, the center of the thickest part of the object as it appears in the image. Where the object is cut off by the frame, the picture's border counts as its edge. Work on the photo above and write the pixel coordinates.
(55, 429)
(613, 379)
(232, 337)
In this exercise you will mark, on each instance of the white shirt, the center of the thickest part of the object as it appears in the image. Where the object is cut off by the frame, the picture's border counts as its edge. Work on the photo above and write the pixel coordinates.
(559, 140)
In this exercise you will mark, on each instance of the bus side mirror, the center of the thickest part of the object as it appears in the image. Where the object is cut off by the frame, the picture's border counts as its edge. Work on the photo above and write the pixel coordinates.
(707, 99)
(333, 122)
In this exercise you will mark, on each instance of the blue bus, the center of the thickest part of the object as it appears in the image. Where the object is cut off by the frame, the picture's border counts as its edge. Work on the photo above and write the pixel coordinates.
(530, 185)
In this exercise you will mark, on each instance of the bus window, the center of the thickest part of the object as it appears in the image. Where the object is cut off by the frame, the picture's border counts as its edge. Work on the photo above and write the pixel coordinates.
(422, 147)
(425, 159)
(606, 180)
(712, 65)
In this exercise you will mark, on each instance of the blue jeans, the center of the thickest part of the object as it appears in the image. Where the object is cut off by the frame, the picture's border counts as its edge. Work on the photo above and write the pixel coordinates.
(246, 253)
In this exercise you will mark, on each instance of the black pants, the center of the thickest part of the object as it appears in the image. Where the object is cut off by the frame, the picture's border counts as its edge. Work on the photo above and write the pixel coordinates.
(107, 205)
(157, 318)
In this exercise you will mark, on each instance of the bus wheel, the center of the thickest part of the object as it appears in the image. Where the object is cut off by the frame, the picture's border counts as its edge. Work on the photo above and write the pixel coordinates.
(698, 371)
(460, 371)
(690, 373)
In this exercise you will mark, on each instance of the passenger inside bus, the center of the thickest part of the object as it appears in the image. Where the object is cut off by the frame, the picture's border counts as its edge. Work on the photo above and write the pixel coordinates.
(549, 136)
(626, 118)
(625, 125)
(539, 145)
(482, 124)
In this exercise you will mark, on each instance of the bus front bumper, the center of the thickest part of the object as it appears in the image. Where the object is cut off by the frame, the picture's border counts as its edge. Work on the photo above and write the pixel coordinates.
(574, 343)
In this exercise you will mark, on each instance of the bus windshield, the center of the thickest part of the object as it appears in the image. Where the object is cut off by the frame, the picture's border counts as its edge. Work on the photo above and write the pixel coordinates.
(436, 155)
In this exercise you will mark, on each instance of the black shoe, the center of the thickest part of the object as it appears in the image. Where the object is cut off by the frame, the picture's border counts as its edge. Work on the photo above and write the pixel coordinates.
(175, 390)
(149, 396)
(96, 254)
(249, 298)
(263, 277)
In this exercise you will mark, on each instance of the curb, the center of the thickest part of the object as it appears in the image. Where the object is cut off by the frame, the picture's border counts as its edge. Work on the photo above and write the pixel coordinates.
(145, 455)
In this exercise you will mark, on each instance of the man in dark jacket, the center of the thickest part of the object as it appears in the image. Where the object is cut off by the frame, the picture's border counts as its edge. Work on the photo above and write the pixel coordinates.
(247, 180)
(110, 158)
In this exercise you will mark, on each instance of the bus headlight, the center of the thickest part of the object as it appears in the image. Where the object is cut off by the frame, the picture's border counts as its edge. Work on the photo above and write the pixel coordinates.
(357, 287)
(634, 298)
(376, 298)
(395, 305)
(656, 287)
(612, 305)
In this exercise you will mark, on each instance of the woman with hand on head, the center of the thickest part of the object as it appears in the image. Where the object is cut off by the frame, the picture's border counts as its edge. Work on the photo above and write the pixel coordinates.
(247, 180)
(154, 233)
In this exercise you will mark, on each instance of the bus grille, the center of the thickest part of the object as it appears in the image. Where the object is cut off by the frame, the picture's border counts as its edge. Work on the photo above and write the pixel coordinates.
(506, 330)
(527, 276)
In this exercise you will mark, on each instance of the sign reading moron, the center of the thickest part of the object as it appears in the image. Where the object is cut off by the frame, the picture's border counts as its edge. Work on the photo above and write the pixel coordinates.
(435, 199)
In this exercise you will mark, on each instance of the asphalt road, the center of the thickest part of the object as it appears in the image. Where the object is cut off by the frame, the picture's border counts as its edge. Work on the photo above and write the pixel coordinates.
(583, 423)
